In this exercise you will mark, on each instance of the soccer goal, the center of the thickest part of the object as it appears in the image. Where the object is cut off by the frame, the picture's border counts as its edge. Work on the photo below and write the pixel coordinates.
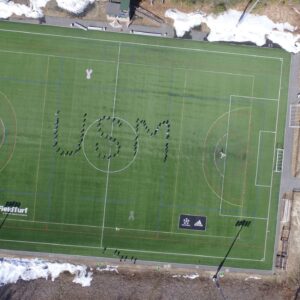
(294, 116)
(279, 160)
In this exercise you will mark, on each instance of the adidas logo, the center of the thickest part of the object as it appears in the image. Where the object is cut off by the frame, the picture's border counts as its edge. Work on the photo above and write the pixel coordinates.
(198, 224)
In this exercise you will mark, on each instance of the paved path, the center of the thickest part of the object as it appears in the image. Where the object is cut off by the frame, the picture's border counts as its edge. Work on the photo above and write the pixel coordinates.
(288, 182)
(165, 29)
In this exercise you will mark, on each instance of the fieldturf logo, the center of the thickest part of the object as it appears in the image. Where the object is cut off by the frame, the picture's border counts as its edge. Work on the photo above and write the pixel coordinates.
(13, 208)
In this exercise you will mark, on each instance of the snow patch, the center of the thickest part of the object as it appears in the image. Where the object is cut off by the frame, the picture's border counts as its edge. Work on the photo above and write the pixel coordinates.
(187, 276)
(108, 268)
(225, 27)
(184, 22)
(74, 6)
(252, 277)
(12, 269)
(34, 10)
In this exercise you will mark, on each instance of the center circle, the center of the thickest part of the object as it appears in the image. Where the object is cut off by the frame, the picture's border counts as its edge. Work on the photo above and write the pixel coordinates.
(8, 130)
(2, 133)
(93, 164)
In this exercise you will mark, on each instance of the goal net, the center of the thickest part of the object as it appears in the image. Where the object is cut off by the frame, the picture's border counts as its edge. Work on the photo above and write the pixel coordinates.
(279, 159)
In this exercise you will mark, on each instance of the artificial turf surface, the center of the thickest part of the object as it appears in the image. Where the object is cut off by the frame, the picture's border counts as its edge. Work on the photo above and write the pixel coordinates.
(183, 127)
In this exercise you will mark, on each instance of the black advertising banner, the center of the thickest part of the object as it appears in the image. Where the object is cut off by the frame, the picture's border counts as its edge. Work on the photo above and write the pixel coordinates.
(192, 222)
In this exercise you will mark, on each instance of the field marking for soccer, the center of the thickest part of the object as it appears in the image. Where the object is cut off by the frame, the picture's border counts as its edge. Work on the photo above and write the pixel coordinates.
(129, 250)
(149, 45)
(16, 131)
(127, 63)
(228, 123)
(224, 167)
(41, 138)
(216, 147)
(139, 44)
(179, 148)
(257, 157)
(247, 153)
(117, 170)
(124, 229)
(274, 153)
(111, 133)
(3, 137)
(158, 231)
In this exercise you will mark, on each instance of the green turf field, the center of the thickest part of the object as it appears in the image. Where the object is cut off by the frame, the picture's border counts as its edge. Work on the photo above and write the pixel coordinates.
(162, 128)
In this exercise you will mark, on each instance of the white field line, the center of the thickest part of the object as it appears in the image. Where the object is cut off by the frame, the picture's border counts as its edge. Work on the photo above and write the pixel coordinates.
(178, 48)
(249, 133)
(138, 44)
(203, 158)
(57, 56)
(127, 63)
(3, 137)
(253, 84)
(253, 98)
(49, 244)
(257, 157)
(226, 144)
(53, 223)
(41, 139)
(275, 141)
(123, 229)
(187, 254)
(263, 185)
(243, 98)
(247, 153)
(172, 233)
(129, 250)
(179, 148)
(187, 69)
(111, 132)
(246, 217)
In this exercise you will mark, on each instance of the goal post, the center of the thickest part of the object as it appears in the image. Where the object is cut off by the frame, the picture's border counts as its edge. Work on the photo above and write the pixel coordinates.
(279, 160)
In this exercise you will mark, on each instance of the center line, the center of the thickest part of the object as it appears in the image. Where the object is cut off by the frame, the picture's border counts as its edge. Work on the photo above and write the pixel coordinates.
(111, 132)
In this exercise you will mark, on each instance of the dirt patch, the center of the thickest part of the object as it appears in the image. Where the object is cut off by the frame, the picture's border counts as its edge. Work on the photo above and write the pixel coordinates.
(95, 11)
(149, 285)
(294, 239)
(26, 2)
(278, 11)
(281, 13)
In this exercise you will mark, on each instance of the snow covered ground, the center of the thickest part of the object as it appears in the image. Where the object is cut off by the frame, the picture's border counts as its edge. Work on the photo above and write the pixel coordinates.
(11, 270)
(187, 276)
(225, 27)
(34, 10)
